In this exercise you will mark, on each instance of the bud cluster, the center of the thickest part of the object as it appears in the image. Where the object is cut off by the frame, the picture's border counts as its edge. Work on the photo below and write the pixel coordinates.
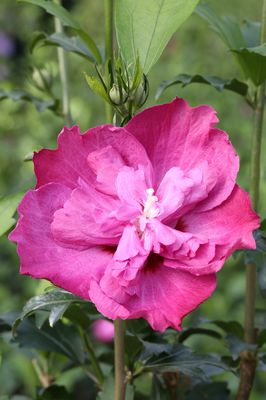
(126, 88)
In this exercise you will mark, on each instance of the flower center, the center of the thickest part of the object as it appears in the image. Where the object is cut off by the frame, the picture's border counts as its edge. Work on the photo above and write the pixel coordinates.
(150, 209)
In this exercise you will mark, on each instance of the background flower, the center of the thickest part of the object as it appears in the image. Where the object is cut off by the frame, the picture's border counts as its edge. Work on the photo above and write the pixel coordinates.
(137, 219)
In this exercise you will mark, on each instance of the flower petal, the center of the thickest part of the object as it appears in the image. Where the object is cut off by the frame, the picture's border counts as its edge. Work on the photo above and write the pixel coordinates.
(176, 135)
(228, 226)
(161, 295)
(41, 257)
(69, 161)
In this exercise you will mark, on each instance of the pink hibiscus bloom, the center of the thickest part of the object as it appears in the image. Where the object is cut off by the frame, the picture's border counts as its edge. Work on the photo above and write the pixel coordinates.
(137, 219)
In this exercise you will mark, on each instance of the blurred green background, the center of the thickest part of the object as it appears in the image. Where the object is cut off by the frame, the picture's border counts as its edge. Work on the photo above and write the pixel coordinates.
(193, 49)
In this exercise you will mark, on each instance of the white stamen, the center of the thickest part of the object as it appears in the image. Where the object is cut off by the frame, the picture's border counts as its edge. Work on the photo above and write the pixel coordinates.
(149, 210)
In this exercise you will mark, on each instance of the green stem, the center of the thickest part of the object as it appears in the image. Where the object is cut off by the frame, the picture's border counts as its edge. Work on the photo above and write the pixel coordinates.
(255, 166)
(248, 360)
(120, 386)
(109, 44)
(63, 74)
(94, 362)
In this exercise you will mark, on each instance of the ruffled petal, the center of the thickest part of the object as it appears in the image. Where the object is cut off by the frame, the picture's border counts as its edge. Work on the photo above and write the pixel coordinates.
(228, 227)
(41, 257)
(88, 218)
(161, 295)
(176, 135)
(69, 162)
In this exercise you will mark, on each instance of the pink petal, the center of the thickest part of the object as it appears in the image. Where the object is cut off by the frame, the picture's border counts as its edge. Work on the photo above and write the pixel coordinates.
(70, 161)
(41, 257)
(176, 135)
(163, 296)
(228, 226)
(87, 219)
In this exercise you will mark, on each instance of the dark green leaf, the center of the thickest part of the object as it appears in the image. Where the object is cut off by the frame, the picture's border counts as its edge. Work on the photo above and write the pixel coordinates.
(186, 333)
(55, 301)
(144, 27)
(62, 339)
(171, 358)
(258, 258)
(217, 83)
(159, 391)
(233, 327)
(41, 105)
(107, 392)
(209, 391)
(8, 206)
(55, 392)
(72, 44)
(236, 345)
(66, 18)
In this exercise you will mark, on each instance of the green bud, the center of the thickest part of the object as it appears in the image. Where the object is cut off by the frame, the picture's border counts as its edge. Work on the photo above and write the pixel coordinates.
(141, 93)
(42, 78)
(117, 96)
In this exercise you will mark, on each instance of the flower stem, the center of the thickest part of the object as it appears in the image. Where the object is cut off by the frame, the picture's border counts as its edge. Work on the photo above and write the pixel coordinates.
(109, 44)
(63, 74)
(248, 359)
(94, 362)
(120, 386)
(254, 193)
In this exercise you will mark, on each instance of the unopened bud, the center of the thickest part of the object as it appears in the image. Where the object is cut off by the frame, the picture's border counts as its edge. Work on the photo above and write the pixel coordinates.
(117, 96)
(140, 95)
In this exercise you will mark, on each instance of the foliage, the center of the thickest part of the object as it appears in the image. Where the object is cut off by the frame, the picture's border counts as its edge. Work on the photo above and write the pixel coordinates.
(53, 329)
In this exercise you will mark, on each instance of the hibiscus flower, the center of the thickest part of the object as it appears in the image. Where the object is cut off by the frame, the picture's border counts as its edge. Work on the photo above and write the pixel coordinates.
(137, 219)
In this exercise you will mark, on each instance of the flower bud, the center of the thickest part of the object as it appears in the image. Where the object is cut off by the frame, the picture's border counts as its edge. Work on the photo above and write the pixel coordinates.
(42, 78)
(141, 93)
(117, 97)
(103, 330)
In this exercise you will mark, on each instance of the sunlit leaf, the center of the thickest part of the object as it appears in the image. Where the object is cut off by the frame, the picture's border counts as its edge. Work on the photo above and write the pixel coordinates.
(216, 82)
(8, 206)
(144, 27)
(66, 18)
(97, 87)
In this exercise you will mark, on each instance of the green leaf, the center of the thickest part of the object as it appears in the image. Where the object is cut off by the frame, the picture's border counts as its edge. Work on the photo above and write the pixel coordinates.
(231, 327)
(66, 18)
(55, 301)
(41, 105)
(97, 87)
(217, 83)
(72, 44)
(251, 33)
(8, 206)
(254, 60)
(228, 30)
(244, 43)
(144, 27)
(171, 358)
(236, 345)
(258, 258)
(209, 391)
(62, 339)
(54, 392)
(186, 333)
